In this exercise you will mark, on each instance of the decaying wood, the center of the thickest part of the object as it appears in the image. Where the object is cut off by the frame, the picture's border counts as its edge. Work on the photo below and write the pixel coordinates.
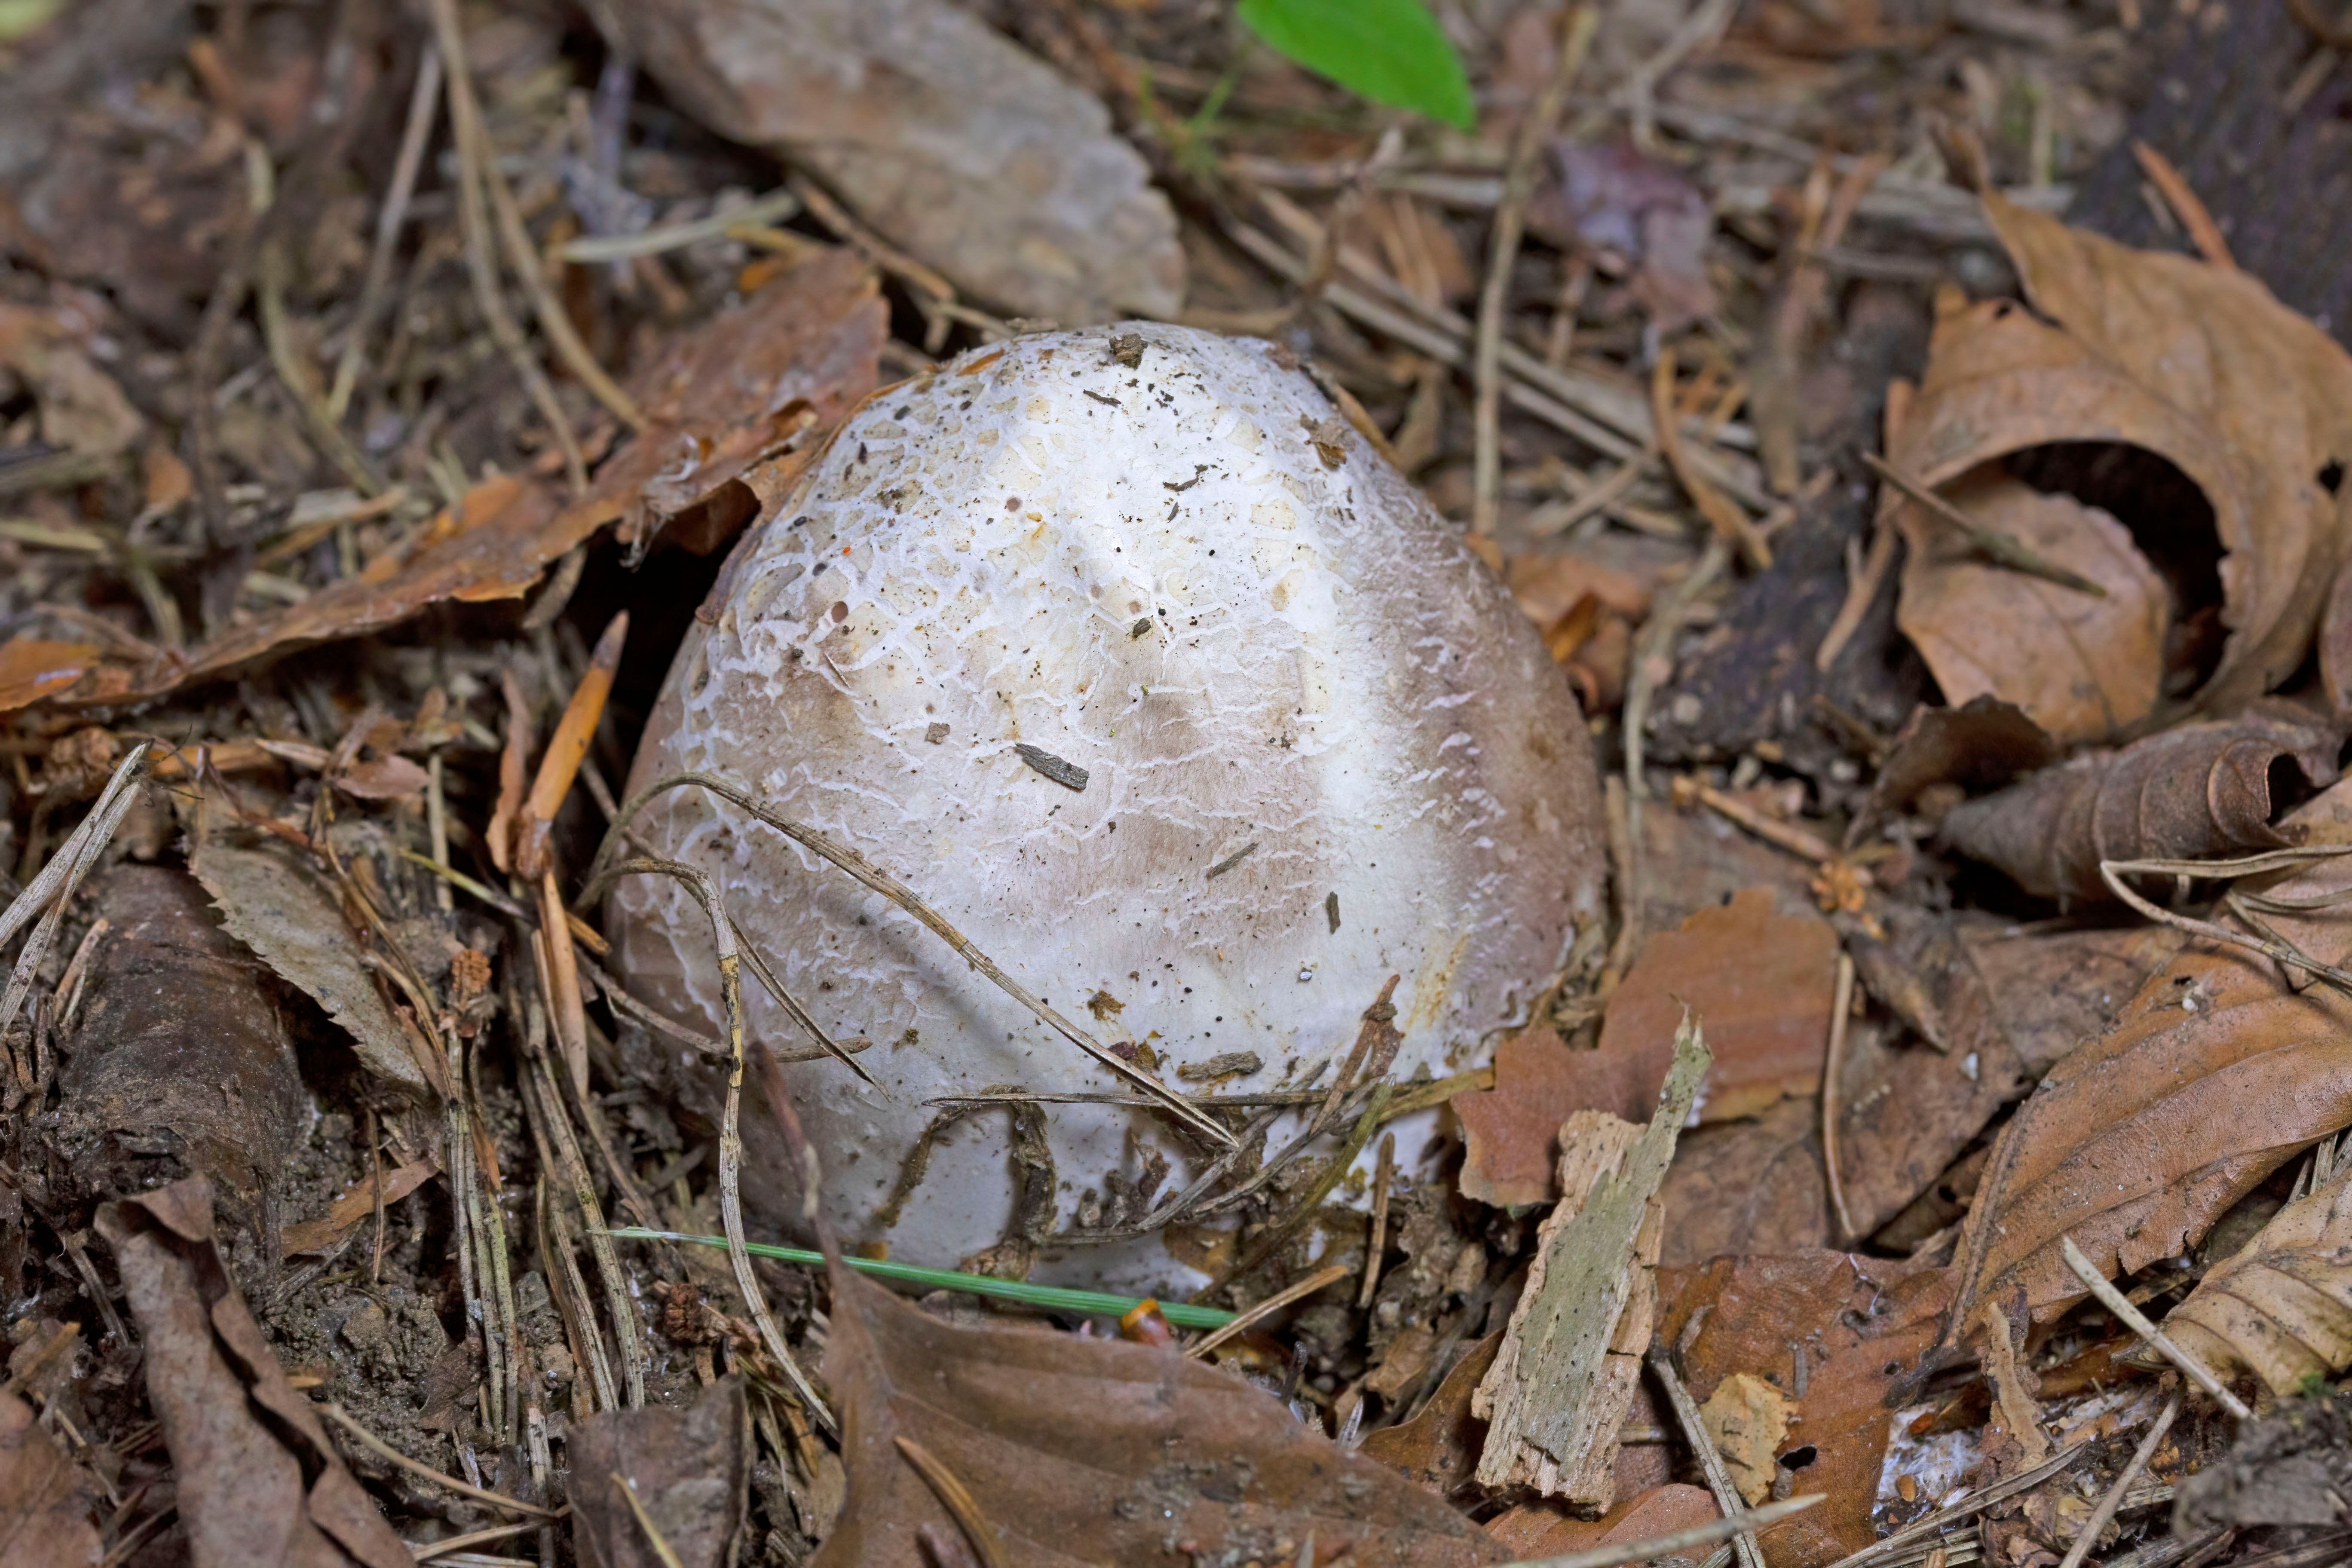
(1565, 1376)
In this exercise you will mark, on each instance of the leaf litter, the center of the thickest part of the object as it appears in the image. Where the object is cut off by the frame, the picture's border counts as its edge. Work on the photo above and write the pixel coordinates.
(319, 482)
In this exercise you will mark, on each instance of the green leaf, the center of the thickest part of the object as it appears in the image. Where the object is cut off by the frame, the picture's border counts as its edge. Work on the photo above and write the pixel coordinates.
(1390, 52)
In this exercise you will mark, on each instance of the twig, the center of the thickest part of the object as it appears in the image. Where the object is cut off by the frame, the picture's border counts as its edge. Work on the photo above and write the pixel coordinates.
(423, 105)
(731, 1130)
(2132, 1317)
(481, 266)
(1863, 579)
(2000, 549)
(1841, 1010)
(1322, 1279)
(1737, 1524)
(774, 207)
(646, 1522)
(1604, 495)
(826, 1045)
(425, 1552)
(2113, 873)
(1503, 253)
(1382, 1174)
(957, 1501)
(1703, 1448)
(2089, 1537)
(54, 887)
(1798, 841)
(1722, 513)
(2203, 232)
(384, 1450)
(897, 892)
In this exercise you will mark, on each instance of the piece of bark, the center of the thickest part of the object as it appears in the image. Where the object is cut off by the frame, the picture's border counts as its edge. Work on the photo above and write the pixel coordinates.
(953, 141)
(242, 1440)
(44, 1497)
(181, 1057)
(1564, 1378)
(2196, 791)
(691, 1467)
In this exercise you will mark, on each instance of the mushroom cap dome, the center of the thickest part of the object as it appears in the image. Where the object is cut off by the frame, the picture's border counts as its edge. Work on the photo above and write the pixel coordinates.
(1313, 745)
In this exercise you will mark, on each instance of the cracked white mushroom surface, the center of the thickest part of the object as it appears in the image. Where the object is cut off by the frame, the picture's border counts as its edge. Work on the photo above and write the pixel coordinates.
(1318, 746)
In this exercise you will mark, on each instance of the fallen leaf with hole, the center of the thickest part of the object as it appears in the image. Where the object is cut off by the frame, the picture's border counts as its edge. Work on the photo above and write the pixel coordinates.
(1087, 1450)
(774, 372)
(2186, 794)
(2195, 364)
(1858, 1323)
(690, 1467)
(255, 1478)
(1747, 1418)
(291, 917)
(1564, 1378)
(956, 143)
(44, 1499)
(2214, 1075)
(2281, 1306)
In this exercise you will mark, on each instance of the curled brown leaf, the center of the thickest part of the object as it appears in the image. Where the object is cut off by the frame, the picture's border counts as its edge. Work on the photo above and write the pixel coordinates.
(2281, 1306)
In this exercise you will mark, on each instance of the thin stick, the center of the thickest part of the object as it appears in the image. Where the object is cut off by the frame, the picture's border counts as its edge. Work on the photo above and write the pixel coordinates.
(1796, 840)
(2132, 1317)
(646, 1522)
(56, 884)
(2111, 873)
(2000, 549)
(1710, 1460)
(424, 106)
(774, 207)
(897, 892)
(1503, 253)
(1320, 1279)
(1604, 495)
(1739, 1523)
(376, 1184)
(2124, 1479)
(958, 1500)
(481, 266)
(731, 1128)
(1841, 1010)
(384, 1450)
(425, 1552)
(1382, 1174)
(1723, 514)
(2203, 232)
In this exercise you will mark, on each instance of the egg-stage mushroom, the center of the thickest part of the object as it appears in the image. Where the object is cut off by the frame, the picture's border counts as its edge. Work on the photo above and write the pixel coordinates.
(1159, 683)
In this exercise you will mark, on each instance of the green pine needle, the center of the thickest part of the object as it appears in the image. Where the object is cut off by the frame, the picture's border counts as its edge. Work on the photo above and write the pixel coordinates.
(1053, 1298)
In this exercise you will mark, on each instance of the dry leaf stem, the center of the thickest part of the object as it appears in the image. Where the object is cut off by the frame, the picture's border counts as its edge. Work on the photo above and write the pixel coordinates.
(654, 1537)
(2286, 956)
(1503, 252)
(424, 1473)
(1703, 1449)
(957, 1498)
(2132, 1317)
(2089, 1535)
(1841, 1016)
(1724, 515)
(2001, 549)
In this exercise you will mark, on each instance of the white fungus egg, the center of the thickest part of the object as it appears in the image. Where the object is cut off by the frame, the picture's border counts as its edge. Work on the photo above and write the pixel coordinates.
(1156, 681)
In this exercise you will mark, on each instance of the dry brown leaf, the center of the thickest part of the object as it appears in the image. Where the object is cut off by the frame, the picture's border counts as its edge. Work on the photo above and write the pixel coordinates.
(1439, 1446)
(44, 1497)
(2083, 667)
(2281, 1306)
(1857, 1322)
(255, 1477)
(1096, 1450)
(1748, 1187)
(788, 362)
(690, 1467)
(1747, 1419)
(2215, 1074)
(291, 918)
(2199, 790)
(1539, 1529)
(2049, 991)
(2196, 364)
(318, 1234)
(35, 667)
(1983, 744)
(951, 140)
(1564, 1379)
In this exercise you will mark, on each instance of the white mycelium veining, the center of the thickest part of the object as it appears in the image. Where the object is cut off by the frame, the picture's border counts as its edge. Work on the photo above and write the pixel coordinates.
(1151, 573)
